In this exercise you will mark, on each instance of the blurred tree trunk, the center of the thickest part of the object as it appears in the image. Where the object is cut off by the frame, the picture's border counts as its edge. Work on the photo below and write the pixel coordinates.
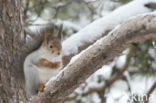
(11, 40)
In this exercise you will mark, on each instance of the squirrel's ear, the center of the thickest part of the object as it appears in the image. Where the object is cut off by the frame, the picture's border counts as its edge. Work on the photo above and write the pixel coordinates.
(45, 41)
(60, 32)
(50, 29)
(48, 32)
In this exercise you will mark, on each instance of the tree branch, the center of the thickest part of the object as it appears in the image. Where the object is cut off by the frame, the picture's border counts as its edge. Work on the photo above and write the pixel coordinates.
(87, 62)
(106, 22)
(114, 77)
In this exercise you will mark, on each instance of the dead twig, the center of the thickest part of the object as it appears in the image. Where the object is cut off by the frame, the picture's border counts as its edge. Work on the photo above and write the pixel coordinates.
(152, 88)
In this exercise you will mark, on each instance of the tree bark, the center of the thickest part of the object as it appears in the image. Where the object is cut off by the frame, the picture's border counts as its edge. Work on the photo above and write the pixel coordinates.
(86, 63)
(11, 40)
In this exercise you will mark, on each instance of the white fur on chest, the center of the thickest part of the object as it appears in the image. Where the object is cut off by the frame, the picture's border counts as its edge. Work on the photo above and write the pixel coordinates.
(44, 74)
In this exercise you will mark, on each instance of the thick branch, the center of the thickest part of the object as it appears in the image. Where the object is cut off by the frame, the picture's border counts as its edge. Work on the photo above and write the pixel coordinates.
(114, 77)
(103, 51)
(73, 45)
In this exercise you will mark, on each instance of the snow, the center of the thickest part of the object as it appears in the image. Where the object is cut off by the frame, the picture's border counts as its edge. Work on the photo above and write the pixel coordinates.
(152, 52)
(139, 86)
(105, 71)
(68, 25)
(121, 61)
(94, 30)
(60, 4)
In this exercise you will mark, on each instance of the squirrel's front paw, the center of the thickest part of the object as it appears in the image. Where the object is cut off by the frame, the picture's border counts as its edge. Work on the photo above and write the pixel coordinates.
(58, 64)
(41, 87)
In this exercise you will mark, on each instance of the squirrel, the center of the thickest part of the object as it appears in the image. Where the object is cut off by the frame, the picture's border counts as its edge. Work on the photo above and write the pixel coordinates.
(43, 63)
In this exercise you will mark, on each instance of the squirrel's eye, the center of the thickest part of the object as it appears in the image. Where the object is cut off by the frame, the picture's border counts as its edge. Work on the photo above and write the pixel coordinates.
(51, 46)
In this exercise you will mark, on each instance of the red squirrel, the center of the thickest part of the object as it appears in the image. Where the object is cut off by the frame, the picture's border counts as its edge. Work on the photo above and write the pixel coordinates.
(43, 63)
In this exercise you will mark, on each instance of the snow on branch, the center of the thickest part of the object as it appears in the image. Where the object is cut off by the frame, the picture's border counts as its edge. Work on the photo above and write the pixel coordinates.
(104, 50)
(101, 27)
(93, 31)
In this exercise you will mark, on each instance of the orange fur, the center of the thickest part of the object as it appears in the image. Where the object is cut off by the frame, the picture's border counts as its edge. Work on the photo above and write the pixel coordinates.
(43, 63)
(41, 87)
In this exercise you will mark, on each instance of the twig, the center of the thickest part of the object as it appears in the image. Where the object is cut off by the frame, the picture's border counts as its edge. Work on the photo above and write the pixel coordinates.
(146, 99)
(101, 95)
(128, 84)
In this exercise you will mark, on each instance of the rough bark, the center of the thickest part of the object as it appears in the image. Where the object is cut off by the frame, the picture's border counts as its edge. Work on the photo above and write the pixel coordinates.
(11, 40)
(135, 30)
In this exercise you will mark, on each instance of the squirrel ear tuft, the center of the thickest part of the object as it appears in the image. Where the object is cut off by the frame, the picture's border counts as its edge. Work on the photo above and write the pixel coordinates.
(48, 32)
(60, 32)
(46, 38)
(50, 28)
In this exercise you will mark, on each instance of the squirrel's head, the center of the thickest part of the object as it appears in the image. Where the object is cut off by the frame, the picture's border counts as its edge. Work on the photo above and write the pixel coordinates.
(51, 42)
